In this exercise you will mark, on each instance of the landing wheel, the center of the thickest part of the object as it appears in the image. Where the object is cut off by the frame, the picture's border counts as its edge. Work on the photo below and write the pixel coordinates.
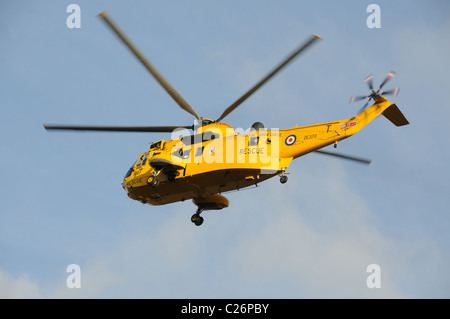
(153, 181)
(283, 179)
(197, 219)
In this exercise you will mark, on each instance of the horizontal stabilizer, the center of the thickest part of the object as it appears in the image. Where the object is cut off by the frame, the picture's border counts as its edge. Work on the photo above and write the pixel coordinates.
(393, 114)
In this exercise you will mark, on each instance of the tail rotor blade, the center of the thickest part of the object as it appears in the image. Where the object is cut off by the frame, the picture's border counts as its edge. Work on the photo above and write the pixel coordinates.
(364, 107)
(393, 92)
(355, 98)
(389, 76)
(375, 94)
(369, 81)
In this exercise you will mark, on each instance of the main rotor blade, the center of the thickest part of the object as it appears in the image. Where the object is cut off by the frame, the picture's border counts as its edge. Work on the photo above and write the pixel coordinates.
(347, 157)
(161, 80)
(268, 77)
(159, 129)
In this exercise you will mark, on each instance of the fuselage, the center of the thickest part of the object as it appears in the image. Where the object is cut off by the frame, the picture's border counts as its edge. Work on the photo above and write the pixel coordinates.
(219, 158)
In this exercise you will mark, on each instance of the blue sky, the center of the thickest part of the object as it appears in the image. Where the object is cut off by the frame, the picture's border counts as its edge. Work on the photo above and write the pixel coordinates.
(313, 237)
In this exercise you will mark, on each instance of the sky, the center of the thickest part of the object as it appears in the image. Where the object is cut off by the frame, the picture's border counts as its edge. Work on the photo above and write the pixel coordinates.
(314, 237)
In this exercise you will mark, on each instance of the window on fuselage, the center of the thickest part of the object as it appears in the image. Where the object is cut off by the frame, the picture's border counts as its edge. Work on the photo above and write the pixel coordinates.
(183, 154)
(199, 138)
(208, 136)
(199, 151)
(253, 141)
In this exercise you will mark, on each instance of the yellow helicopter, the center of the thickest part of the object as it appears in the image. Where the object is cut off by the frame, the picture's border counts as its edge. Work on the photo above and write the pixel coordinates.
(218, 158)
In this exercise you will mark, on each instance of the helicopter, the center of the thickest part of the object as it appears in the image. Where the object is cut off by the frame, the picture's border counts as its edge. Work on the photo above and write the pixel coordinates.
(218, 158)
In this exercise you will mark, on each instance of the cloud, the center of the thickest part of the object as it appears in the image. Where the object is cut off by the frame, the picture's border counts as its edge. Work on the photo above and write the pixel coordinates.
(17, 287)
(310, 238)
(316, 264)
(259, 248)
(320, 244)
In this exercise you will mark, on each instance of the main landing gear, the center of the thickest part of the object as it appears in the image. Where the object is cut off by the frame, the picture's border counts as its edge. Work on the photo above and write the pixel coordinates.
(196, 218)
(208, 202)
(283, 177)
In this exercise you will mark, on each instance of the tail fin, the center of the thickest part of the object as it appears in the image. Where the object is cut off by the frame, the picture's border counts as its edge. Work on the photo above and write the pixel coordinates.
(393, 114)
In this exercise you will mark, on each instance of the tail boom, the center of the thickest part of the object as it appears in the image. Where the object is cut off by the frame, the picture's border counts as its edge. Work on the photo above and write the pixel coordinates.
(298, 141)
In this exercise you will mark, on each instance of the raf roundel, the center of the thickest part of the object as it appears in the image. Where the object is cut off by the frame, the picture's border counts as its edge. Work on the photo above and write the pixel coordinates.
(290, 140)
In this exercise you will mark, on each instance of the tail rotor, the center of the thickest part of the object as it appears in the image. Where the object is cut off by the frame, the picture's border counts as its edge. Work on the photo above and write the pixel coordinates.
(374, 94)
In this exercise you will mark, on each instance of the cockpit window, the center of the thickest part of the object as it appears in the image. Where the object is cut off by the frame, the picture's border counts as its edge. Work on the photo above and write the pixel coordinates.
(157, 145)
(129, 172)
(142, 160)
